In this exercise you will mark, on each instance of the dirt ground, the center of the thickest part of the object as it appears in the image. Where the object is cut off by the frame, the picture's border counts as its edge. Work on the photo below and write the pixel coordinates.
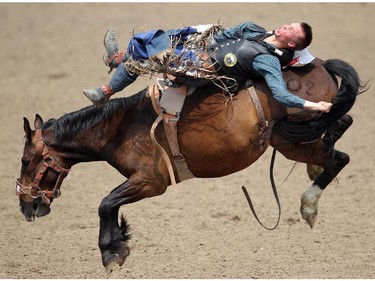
(50, 52)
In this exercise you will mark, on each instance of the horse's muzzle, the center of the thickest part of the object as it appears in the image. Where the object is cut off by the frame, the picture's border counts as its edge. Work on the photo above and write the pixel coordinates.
(35, 208)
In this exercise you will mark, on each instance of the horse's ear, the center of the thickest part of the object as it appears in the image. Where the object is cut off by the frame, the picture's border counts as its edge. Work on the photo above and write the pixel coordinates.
(27, 128)
(38, 123)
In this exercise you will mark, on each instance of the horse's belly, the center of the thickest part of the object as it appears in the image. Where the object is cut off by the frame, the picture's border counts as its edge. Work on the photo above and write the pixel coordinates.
(207, 162)
(217, 140)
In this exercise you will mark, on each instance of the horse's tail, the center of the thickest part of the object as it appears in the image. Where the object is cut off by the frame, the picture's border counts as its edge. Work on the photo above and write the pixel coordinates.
(350, 87)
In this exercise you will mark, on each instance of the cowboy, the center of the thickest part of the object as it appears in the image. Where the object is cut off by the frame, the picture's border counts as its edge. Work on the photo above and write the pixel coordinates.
(240, 52)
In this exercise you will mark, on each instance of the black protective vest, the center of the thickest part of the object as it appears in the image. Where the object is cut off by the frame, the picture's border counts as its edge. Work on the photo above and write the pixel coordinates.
(235, 57)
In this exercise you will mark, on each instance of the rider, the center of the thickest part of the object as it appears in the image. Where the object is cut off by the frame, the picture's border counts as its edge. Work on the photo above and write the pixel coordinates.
(261, 54)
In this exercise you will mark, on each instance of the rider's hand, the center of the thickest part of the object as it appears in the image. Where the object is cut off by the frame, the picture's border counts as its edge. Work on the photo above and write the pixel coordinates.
(318, 106)
(325, 106)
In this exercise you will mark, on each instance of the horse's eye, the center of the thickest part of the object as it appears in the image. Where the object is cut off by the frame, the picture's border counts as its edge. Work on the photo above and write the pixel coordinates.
(25, 162)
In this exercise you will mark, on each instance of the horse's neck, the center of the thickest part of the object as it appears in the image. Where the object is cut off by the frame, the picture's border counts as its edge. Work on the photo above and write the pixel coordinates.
(92, 134)
(73, 151)
(84, 144)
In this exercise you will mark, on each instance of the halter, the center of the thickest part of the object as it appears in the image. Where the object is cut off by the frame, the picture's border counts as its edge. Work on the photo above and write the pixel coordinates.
(33, 189)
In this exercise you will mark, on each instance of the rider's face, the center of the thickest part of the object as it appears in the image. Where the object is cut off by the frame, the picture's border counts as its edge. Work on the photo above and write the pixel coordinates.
(288, 34)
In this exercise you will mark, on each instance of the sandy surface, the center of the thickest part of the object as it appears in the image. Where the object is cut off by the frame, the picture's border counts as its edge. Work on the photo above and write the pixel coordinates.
(50, 52)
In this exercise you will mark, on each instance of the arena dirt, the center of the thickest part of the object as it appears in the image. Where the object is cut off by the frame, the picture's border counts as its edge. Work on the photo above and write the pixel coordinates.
(50, 52)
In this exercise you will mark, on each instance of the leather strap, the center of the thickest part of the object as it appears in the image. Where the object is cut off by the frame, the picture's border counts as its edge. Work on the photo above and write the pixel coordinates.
(154, 94)
(263, 123)
(162, 151)
(170, 118)
(181, 166)
(254, 96)
(171, 134)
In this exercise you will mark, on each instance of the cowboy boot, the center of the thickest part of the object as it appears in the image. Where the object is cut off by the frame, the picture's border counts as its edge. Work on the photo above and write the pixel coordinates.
(99, 96)
(119, 81)
(113, 56)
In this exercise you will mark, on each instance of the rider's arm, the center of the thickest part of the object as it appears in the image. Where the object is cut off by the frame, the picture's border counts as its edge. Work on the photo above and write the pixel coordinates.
(243, 30)
(269, 67)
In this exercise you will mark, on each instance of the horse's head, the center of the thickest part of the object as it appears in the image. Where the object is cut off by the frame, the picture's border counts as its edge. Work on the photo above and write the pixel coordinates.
(41, 177)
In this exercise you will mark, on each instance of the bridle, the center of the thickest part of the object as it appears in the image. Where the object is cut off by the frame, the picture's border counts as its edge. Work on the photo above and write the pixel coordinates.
(33, 189)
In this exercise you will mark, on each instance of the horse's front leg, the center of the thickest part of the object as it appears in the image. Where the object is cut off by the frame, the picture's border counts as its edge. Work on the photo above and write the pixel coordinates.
(113, 238)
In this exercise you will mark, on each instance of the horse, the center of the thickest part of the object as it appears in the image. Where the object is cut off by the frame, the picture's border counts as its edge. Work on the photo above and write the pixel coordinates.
(218, 135)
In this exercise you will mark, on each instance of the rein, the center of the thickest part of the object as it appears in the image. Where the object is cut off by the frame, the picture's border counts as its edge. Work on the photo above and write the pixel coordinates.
(33, 189)
(274, 193)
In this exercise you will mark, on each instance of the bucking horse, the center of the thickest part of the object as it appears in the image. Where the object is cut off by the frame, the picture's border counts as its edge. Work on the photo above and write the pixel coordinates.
(216, 138)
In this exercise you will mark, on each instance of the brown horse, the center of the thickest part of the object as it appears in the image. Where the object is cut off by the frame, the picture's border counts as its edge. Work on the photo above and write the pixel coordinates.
(215, 138)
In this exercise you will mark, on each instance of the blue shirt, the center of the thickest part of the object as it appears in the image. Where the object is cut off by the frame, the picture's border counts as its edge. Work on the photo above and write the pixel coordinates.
(269, 67)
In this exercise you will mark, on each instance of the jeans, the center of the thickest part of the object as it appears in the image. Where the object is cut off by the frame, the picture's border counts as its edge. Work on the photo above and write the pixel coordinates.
(121, 79)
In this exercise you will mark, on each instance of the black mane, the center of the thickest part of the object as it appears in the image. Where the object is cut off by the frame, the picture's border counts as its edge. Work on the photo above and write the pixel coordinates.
(70, 124)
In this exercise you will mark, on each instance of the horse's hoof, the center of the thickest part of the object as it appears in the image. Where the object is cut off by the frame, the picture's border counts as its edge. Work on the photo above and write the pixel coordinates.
(112, 261)
(309, 215)
(123, 253)
(309, 204)
(110, 267)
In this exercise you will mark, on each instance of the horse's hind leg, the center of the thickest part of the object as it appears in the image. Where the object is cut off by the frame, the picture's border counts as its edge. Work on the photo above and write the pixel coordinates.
(330, 138)
(322, 154)
(113, 238)
(310, 198)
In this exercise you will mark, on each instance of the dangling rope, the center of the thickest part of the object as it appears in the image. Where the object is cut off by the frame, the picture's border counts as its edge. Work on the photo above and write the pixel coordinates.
(274, 193)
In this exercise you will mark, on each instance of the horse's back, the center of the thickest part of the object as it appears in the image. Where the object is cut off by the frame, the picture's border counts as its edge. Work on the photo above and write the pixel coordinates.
(219, 136)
